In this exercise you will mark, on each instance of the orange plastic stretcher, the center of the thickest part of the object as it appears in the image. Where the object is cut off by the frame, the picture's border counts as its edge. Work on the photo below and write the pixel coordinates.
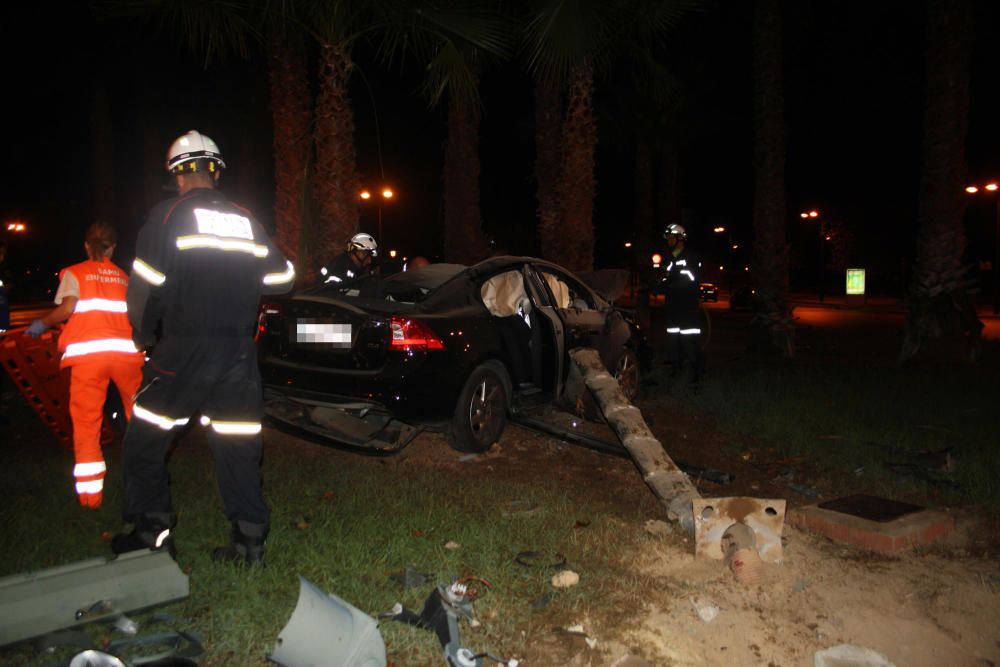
(33, 365)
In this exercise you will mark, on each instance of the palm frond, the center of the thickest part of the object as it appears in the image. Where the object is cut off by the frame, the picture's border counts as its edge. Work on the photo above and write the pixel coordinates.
(451, 72)
(216, 28)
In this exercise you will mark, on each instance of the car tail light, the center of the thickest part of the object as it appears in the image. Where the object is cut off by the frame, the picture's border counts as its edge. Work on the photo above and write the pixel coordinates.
(266, 310)
(413, 335)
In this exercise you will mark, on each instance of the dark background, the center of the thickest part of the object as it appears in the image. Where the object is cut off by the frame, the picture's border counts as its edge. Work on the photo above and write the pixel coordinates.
(854, 105)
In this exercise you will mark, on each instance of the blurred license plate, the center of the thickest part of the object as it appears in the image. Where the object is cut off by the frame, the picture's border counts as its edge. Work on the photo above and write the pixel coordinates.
(322, 333)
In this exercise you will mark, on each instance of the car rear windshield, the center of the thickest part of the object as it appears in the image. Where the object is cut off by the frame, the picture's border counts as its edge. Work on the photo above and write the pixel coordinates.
(406, 286)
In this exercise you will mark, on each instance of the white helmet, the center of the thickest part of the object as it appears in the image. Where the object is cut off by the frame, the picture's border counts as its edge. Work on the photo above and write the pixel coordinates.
(674, 228)
(193, 152)
(363, 242)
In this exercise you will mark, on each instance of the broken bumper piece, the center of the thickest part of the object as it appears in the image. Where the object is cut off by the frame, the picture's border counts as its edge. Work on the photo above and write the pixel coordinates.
(36, 603)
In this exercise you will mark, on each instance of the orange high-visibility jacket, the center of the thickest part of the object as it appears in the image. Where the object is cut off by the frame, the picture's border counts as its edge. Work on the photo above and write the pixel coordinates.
(99, 325)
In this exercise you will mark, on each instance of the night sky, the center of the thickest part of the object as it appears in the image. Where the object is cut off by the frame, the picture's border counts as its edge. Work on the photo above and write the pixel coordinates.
(854, 103)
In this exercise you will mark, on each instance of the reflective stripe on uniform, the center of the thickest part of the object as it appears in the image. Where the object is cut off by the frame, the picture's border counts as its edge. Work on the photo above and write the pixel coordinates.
(100, 345)
(88, 469)
(286, 276)
(689, 332)
(103, 305)
(95, 486)
(334, 279)
(221, 243)
(687, 273)
(231, 428)
(673, 330)
(166, 423)
(148, 273)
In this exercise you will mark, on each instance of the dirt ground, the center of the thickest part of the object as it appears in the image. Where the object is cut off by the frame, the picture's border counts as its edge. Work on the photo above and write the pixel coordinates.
(937, 606)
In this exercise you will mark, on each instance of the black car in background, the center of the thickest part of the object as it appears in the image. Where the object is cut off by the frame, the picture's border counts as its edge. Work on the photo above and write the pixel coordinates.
(708, 291)
(372, 362)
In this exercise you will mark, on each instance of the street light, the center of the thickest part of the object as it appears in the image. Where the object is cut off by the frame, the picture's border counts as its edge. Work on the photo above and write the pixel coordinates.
(823, 236)
(387, 194)
(732, 252)
(992, 188)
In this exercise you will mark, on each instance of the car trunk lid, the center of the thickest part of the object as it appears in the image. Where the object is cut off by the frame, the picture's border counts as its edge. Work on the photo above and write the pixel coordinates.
(327, 332)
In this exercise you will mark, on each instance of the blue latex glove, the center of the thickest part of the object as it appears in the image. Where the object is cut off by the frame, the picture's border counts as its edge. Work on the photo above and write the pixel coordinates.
(36, 329)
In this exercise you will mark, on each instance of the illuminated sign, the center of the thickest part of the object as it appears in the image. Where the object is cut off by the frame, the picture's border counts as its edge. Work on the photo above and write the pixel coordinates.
(855, 281)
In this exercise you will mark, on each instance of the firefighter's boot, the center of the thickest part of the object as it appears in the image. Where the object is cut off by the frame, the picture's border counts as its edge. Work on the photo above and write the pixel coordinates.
(246, 545)
(150, 531)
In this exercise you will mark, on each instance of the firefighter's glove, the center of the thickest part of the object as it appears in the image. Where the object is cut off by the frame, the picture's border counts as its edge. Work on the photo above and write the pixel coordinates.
(36, 329)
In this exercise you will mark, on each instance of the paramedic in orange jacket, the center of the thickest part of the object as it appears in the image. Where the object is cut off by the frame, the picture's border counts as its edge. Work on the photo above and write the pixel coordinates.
(97, 346)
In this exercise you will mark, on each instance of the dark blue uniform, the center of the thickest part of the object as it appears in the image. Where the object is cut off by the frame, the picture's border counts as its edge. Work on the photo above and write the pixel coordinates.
(679, 281)
(202, 264)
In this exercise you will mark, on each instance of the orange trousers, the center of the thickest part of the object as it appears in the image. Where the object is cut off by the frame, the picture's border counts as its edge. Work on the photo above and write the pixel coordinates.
(88, 390)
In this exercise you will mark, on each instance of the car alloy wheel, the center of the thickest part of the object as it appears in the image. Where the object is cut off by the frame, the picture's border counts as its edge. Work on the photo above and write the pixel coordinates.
(481, 411)
(486, 410)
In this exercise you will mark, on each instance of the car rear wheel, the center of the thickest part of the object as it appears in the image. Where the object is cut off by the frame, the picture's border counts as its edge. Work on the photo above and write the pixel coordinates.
(481, 413)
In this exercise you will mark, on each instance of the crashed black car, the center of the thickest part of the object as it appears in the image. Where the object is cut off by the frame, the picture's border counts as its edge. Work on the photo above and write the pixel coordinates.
(371, 363)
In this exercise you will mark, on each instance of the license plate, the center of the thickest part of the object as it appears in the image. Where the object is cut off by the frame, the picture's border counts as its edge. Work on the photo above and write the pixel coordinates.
(328, 334)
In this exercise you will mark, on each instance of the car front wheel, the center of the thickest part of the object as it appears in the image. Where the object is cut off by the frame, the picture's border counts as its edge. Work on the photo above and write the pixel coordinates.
(481, 413)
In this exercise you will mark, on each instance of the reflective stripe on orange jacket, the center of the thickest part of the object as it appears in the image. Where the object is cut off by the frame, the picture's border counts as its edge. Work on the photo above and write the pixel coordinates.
(99, 325)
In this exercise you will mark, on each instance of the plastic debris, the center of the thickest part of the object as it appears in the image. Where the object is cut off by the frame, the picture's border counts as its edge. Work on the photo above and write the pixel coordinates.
(125, 624)
(92, 658)
(849, 655)
(707, 610)
(451, 546)
(565, 579)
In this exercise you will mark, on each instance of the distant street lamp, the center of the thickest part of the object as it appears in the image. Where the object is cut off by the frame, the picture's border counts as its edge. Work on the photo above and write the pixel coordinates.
(992, 188)
(387, 194)
(732, 260)
(823, 236)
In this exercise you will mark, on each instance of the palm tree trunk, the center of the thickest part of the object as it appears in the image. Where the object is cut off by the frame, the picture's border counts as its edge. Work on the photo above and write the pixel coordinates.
(548, 161)
(939, 302)
(463, 237)
(577, 181)
(291, 113)
(773, 323)
(336, 176)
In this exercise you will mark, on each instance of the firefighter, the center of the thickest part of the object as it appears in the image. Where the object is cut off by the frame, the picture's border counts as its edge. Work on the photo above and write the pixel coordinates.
(97, 347)
(201, 265)
(679, 280)
(356, 262)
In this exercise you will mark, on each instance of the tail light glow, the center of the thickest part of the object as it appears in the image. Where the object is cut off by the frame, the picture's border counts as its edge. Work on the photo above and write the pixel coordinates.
(266, 310)
(410, 335)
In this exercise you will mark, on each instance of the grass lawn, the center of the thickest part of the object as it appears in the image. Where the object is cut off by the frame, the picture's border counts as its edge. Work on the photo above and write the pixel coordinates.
(346, 521)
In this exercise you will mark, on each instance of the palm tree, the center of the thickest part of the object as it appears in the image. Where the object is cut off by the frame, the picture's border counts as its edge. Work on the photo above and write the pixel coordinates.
(569, 44)
(773, 320)
(291, 114)
(454, 39)
(221, 29)
(336, 24)
(938, 296)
